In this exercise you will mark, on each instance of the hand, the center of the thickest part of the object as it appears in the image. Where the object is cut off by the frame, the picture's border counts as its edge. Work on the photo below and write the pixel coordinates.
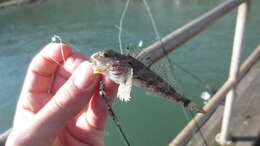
(60, 104)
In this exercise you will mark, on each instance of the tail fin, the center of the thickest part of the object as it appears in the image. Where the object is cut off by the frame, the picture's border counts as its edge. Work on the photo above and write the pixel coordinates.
(194, 107)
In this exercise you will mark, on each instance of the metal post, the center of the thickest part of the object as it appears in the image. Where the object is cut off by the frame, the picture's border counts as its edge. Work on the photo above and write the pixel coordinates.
(223, 138)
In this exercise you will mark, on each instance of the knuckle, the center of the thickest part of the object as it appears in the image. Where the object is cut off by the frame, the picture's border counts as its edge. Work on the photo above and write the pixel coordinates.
(65, 96)
(62, 97)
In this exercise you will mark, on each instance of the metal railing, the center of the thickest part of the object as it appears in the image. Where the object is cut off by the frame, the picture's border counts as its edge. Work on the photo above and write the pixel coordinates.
(223, 137)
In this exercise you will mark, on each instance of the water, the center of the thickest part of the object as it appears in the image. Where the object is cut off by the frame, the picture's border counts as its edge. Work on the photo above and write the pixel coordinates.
(90, 25)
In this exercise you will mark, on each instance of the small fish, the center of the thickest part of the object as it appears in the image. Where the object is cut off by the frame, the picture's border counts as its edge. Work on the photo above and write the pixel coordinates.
(127, 71)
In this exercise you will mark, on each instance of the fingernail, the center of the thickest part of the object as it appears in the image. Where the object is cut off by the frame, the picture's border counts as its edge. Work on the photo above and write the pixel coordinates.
(84, 77)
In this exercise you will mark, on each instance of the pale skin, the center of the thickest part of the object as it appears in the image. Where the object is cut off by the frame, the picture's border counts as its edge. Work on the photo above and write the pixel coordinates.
(65, 110)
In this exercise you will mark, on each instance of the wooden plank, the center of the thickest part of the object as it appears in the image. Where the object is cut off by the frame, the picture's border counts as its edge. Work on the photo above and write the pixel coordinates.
(185, 135)
(245, 118)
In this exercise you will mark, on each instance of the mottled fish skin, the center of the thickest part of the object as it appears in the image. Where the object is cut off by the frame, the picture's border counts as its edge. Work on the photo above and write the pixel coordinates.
(145, 78)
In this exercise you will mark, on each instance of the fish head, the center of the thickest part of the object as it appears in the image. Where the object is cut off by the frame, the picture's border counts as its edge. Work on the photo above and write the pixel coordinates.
(111, 63)
(101, 61)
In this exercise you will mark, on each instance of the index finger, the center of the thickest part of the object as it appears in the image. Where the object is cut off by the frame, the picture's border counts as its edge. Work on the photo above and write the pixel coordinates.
(43, 65)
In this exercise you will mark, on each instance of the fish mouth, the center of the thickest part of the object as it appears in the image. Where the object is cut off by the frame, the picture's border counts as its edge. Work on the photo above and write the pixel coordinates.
(99, 69)
(97, 66)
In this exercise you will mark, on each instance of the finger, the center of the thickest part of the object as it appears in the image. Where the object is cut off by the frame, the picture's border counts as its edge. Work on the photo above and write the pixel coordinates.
(39, 77)
(36, 101)
(66, 70)
(68, 101)
(97, 112)
(43, 65)
(89, 125)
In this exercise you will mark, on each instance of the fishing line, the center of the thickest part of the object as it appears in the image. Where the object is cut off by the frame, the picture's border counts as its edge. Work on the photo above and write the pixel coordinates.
(53, 59)
(121, 25)
(209, 88)
(188, 119)
(167, 57)
(54, 39)
(152, 20)
(129, 48)
(198, 127)
(57, 39)
(112, 113)
(191, 117)
(158, 37)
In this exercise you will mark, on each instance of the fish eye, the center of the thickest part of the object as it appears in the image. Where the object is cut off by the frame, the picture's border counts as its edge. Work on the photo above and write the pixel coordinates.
(106, 54)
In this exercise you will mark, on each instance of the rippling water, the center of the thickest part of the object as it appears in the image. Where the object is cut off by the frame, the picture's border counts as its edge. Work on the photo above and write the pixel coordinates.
(90, 25)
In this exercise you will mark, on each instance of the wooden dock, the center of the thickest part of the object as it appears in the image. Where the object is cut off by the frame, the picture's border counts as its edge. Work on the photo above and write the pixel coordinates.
(245, 127)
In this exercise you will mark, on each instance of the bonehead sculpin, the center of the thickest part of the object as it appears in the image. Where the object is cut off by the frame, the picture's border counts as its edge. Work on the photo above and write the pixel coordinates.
(127, 71)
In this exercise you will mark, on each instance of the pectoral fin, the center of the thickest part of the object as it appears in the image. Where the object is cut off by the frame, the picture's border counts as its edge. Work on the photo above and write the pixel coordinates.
(124, 89)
